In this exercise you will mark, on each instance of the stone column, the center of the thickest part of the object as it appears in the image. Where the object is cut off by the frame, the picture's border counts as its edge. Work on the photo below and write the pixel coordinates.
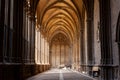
(50, 55)
(71, 57)
(11, 29)
(105, 38)
(33, 41)
(44, 48)
(55, 55)
(2, 12)
(90, 36)
(5, 42)
(60, 53)
(65, 54)
(78, 54)
(90, 40)
(40, 50)
(82, 56)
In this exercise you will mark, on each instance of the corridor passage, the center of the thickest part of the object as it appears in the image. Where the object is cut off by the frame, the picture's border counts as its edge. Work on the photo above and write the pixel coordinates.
(60, 74)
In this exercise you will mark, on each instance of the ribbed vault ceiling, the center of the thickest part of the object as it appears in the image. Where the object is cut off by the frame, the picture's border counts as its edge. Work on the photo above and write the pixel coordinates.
(59, 17)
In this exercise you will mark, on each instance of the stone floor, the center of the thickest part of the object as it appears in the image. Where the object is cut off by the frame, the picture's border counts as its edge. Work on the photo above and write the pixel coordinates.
(60, 74)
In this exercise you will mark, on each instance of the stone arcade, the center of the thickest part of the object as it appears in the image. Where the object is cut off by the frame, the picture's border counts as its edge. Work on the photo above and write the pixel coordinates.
(37, 35)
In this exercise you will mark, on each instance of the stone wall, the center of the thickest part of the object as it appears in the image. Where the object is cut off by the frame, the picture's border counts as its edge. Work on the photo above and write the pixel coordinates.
(115, 9)
(20, 72)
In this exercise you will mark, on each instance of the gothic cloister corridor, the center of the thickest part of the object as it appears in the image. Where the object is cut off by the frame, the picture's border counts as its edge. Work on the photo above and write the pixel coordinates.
(59, 40)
